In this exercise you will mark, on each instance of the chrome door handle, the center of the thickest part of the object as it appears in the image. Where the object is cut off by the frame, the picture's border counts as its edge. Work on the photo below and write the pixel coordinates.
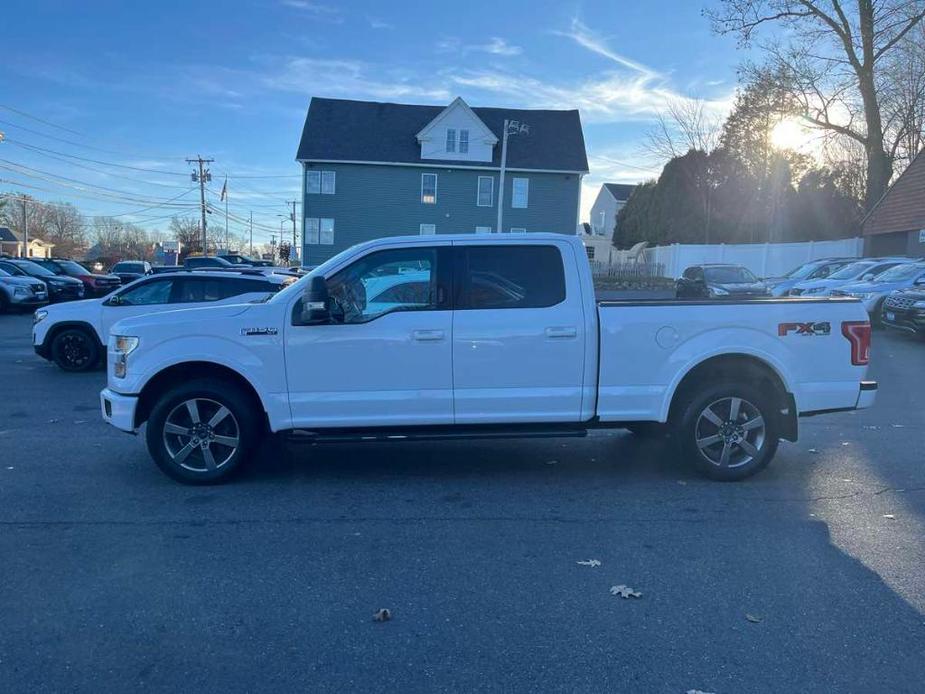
(428, 335)
(564, 332)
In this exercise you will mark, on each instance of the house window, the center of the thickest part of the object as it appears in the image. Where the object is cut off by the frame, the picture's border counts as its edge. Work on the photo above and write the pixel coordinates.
(486, 191)
(520, 192)
(320, 182)
(590, 251)
(451, 139)
(319, 231)
(312, 227)
(429, 189)
(518, 230)
(483, 230)
(327, 232)
(428, 229)
(463, 141)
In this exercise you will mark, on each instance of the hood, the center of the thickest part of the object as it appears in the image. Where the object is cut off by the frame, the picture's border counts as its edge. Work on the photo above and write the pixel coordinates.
(60, 279)
(195, 316)
(912, 293)
(73, 308)
(741, 287)
(870, 287)
(819, 284)
(18, 281)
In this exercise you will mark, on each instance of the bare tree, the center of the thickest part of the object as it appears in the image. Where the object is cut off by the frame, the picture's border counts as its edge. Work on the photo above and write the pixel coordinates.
(186, 231)
(685, 124)
(65, 227)
(832, 63)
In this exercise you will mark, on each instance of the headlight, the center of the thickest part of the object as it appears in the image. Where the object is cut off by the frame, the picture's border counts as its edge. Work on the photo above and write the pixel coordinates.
(718, 291)
(39, 316)
(124, 344)
(21, 291)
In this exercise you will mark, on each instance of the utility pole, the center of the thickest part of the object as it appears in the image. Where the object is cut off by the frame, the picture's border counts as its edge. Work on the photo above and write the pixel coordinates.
(292, 216)
(25, 230)
(252, 232)
(202, 177)
(511, 127)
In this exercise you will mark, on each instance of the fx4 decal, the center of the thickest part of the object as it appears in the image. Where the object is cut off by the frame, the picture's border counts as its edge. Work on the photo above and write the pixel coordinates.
(810, 329)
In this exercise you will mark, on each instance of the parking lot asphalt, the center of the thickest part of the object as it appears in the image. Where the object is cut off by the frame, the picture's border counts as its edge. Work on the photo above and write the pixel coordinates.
(808, 577)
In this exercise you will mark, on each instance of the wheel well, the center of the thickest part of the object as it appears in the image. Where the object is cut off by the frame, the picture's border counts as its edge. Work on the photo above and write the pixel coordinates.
(739, 367)
(178, 373)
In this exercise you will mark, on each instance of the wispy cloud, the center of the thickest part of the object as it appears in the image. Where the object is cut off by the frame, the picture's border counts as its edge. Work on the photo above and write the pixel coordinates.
(316, 9)
(586, 38)
(376, 23)
(495, 46)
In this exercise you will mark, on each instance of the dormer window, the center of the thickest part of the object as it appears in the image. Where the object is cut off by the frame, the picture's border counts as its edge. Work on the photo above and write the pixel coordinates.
(451, 139)
(464, 142)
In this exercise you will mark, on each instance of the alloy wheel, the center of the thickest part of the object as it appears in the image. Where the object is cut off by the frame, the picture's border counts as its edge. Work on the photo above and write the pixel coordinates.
(201, 435)
(730, 432)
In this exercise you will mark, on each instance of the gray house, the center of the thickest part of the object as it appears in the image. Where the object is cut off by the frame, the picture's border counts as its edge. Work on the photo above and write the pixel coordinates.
(379, 169)
(610, 198)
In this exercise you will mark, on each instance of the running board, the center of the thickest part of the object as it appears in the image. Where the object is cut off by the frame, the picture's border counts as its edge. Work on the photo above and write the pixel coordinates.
(438, 433)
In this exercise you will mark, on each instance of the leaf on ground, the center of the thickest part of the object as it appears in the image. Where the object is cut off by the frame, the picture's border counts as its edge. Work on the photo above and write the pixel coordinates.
(80, 421)
(813, 451)
(697, 691)
(382, 615)
(754, 618)
(551, 462)
(683, 483)
(889, 515)
(898, 426)
(53, 421)
(589, 562)
(625, 591)
(845, 443)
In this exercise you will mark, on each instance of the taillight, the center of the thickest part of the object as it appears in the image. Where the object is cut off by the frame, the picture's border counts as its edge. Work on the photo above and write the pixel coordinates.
(858, 334)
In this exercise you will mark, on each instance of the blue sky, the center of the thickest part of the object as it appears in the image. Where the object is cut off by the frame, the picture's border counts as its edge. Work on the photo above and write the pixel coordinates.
(148, 84)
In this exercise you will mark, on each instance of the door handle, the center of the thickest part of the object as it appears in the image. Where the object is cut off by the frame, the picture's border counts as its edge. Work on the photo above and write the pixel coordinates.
(428, 335)
(563, 332)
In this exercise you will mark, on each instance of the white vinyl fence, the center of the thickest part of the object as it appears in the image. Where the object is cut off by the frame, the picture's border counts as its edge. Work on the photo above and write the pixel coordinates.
(764, 259)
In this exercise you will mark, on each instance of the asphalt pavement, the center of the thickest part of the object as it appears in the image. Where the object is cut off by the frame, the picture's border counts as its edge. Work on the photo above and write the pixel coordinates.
(807, 578)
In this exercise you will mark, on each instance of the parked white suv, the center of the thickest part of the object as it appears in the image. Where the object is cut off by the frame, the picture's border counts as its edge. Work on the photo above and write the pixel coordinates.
(74, 335)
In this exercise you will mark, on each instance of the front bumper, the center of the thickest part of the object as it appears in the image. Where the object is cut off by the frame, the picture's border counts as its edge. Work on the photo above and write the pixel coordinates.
(910, 320)
(32, 301)
(118, 409)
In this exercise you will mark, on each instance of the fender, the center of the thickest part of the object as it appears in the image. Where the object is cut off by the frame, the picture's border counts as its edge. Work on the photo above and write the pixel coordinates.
(736, 341)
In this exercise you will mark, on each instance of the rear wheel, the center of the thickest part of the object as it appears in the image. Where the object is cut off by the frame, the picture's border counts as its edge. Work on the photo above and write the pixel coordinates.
(729, 431)
(75, 349)
(201, 432)
(4, 303)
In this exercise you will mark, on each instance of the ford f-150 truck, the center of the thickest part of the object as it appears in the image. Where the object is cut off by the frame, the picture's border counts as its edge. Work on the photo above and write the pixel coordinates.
(474, 336)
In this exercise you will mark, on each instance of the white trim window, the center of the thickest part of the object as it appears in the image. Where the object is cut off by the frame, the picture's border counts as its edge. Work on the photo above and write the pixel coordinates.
(319, 182)
(451, 139)
(429, 189)
(312, 230)
(327, 232)
(486, 192)
(483, 230)
(428, 229)
(518, 230)
(328, 180)
(464, 142)
(520, 192)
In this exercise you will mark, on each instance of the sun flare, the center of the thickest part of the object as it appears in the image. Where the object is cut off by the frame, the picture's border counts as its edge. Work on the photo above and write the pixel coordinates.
(793, 135)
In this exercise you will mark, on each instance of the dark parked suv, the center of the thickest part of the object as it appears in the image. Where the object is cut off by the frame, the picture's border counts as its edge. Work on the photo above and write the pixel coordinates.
(60, 287)
(719, 280)
(905, 310)
(94, 284)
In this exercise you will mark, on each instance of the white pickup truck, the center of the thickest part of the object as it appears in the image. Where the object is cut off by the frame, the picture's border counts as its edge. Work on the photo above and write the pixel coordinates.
(473, 336)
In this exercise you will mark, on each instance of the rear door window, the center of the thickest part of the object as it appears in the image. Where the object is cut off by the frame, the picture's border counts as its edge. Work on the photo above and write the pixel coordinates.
(499, 277)
(147, 293)
(199, 289)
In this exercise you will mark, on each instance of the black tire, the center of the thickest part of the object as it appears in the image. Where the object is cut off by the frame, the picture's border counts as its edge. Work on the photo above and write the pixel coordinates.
(244, 420)
(75, 349)
(4, 304)
(694, 424)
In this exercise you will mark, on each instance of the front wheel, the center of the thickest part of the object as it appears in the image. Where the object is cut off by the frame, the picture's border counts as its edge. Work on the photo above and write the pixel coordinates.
(729, 431)
(201, 432)
(75, 349)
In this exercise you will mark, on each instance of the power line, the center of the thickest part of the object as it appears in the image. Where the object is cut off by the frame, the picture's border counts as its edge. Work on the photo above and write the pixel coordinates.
(40, 120)
(27, 145)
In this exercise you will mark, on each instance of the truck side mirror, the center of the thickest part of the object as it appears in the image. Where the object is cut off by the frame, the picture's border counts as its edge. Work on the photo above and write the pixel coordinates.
(315, 301)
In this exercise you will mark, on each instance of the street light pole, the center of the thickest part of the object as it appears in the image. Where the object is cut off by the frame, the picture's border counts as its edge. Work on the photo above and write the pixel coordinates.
(511, 127)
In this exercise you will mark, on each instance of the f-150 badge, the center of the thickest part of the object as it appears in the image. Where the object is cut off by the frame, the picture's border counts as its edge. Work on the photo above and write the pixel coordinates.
(805, 329)
(247, 332)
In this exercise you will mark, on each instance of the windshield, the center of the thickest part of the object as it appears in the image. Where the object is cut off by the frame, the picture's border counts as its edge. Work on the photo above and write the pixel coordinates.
(128, 267)
(33, 269)
(4, 273)
(802, 272)
(850, 272)
(900, 272)
(729, 275)
(72, 268)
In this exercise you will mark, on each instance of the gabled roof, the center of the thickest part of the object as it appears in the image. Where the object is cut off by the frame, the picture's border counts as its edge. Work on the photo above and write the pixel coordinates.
(457, 103)
(620, 191)
(902, 208)
(7, 235)
(369, 131)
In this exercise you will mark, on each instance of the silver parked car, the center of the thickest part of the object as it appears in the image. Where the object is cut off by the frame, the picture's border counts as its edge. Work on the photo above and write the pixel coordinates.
(23, 293)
